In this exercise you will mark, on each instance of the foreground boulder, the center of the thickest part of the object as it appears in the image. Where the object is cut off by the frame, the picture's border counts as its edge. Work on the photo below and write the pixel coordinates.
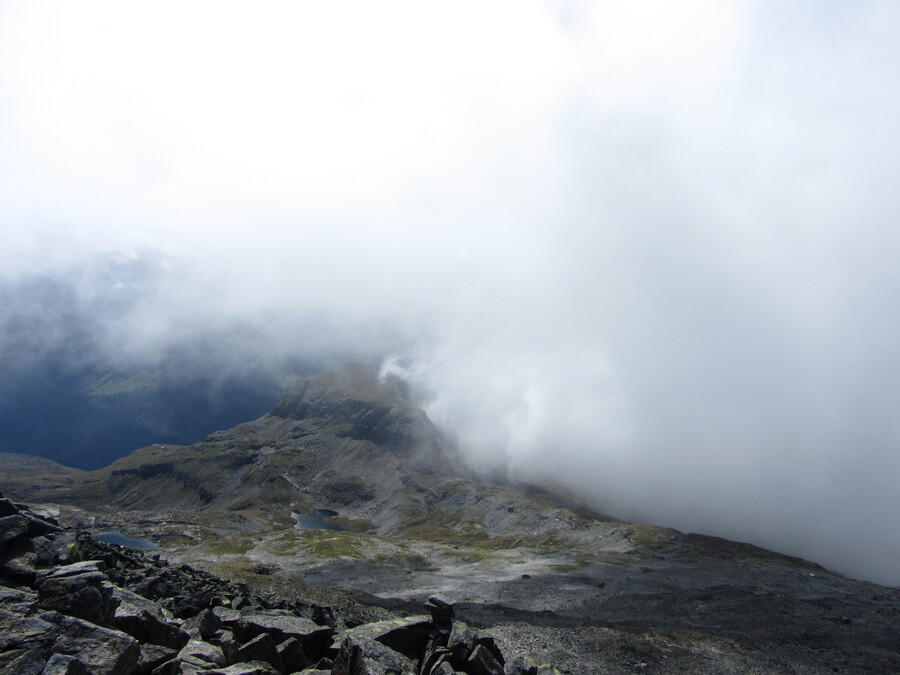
(436, 645)
(36, 643)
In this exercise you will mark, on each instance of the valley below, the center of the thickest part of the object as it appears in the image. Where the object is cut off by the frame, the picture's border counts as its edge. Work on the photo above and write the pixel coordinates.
(551, 580)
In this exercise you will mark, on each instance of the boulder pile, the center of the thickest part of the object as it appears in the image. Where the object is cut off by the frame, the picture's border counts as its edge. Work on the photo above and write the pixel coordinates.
(71, 605)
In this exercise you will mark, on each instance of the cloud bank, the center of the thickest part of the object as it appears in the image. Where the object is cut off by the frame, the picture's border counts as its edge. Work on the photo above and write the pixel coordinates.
(647, 250)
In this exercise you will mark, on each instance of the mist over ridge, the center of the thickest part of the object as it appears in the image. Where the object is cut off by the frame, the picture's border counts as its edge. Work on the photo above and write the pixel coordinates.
(658, 268)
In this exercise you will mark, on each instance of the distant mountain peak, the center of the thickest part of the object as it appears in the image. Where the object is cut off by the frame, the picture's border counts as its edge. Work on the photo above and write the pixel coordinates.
(350, 380)
(359, 405)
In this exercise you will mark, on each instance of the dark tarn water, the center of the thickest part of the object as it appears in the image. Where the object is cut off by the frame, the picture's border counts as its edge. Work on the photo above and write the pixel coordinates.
(116, 537)
(316, 521)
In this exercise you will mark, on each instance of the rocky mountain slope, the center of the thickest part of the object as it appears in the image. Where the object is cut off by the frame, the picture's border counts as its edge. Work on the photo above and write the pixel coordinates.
(70, 604)
(405, 518)
(342, 441)
(101, 409)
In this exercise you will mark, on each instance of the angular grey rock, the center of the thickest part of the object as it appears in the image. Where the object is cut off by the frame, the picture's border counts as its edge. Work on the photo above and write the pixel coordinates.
(39, 526)
(171, 667)
(12, 527)
(435, 657)
(44, 550)
(252, 668)
(520, 665)
(482, 662)
(101, 650)
(204, 624)
(459, 645)
(244, 602)
(7, 508)
(22, 662)
(18, 561)
(442, 613)
(443, 603)
(443, 668)
(324, 616)
(293, 656)
(48, 513)
(226, 614)
(360, 655)
(323, 664)
(490, 644)
(145, 620)
(281, 626)
(63, 664)
(18, 601)
(201, 655)
(225, 640)
(262, 648)
(26, 632)
(81, 567)
(408, 635)
(462, 644)
(153, 656)
(64, 547)
(86, 595)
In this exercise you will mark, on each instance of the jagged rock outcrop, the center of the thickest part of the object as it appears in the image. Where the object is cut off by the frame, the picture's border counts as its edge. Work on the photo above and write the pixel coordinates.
(360, 406)
(72, 605)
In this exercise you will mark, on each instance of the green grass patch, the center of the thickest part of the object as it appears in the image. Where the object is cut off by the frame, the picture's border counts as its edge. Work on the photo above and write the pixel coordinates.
(644, 535)
(333, 546)
(323, 544)
(231, 545)
(176, 541)
(352, 525)
(470, 554)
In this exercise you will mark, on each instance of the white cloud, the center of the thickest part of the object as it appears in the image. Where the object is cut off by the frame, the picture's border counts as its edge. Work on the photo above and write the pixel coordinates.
(648, 248)
(211, 106)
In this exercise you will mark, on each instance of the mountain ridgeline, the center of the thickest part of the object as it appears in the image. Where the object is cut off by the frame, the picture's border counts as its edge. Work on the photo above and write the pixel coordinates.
(341, 440)
(361, 407)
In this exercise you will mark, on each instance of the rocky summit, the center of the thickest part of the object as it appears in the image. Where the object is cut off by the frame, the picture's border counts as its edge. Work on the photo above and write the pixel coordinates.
(343, 533)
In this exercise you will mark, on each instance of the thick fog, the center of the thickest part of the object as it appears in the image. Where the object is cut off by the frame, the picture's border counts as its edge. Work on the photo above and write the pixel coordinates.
(647, 249)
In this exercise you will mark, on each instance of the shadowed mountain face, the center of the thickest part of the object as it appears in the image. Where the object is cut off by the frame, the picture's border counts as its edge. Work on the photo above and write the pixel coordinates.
(64, 397)
(100, 413)
(357, 405)
(553, 580)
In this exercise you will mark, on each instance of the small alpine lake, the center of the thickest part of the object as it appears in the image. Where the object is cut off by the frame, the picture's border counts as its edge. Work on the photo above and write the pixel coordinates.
(119, 539)
(317, 520)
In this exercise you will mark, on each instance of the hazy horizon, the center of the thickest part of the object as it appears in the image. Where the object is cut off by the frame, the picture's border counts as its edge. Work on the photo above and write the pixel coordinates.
(648, 250)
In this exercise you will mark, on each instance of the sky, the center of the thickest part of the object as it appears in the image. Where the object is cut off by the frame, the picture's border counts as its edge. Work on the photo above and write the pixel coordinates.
(647, 250)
